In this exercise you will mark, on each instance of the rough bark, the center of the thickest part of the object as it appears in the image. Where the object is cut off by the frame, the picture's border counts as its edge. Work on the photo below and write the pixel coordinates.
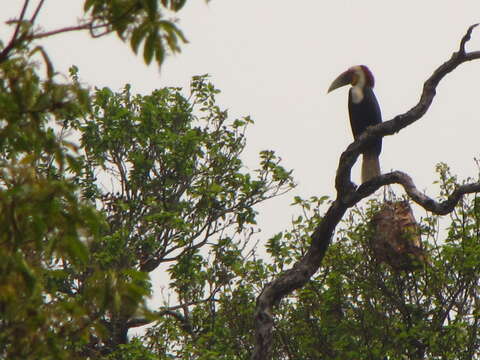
(348, 194)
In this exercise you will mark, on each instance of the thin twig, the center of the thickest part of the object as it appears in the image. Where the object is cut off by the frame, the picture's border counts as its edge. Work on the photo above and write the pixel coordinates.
(20, 20)
(170, 311)
(13, 41)
(466, 38)
(87, 26)
(36, 12)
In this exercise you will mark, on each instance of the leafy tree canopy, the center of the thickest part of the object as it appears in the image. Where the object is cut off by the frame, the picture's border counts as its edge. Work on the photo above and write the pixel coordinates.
(98, 189)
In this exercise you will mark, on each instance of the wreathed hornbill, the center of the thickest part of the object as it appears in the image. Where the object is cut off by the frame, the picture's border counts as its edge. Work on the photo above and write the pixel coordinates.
(364, 111)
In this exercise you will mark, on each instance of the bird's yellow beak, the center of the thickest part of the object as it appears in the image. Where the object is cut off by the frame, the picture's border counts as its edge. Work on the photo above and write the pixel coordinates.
(343, 79)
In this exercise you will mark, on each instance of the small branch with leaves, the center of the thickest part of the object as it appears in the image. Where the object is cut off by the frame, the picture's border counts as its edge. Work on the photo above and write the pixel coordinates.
(136, 22)
(348, 195)
(24, 29)
(174, 312)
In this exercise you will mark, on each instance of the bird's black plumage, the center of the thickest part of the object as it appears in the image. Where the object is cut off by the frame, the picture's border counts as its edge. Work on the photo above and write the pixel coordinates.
(364, 114)
(364, 111)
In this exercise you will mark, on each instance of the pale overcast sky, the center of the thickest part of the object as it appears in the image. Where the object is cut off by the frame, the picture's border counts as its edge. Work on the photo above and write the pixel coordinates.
(274, 60)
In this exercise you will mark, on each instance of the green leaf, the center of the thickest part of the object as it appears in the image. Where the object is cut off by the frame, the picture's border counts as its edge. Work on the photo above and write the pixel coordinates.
(150, 47)
(152, 8)
(138, 35)
(160, 55)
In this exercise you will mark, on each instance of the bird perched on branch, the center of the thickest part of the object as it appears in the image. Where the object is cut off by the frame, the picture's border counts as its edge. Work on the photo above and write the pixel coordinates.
(364, 111)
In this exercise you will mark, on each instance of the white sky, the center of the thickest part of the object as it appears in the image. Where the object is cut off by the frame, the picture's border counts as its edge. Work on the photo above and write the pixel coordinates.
(274, 60)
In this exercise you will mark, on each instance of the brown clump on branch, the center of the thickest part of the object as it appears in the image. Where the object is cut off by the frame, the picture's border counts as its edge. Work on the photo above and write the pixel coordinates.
(396, 239)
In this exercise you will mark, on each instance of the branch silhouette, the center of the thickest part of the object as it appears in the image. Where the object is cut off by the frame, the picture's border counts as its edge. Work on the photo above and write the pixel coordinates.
(348, 194)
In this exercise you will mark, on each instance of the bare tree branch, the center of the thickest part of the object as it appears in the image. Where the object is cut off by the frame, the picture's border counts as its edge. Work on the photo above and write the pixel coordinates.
(136, 322)
(171, 311)
(398, 177)
(19, 24)
(87, 26)
(13, 41)
(36, 12)
(348, 195)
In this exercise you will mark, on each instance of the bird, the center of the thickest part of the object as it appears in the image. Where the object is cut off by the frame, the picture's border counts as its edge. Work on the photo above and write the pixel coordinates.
(364, 111)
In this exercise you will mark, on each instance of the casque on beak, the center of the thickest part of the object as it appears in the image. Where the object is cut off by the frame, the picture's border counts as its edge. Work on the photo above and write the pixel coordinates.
(345, 78)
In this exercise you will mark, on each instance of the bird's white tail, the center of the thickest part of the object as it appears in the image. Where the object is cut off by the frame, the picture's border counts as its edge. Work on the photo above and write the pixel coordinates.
(370, 167)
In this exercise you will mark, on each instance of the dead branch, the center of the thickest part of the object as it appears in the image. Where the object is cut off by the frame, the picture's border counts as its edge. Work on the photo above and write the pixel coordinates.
(348, 195)
(185, 324)
(171, 311)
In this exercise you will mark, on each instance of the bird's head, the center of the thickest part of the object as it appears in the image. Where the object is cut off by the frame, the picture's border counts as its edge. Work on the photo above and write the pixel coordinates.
(358, 76)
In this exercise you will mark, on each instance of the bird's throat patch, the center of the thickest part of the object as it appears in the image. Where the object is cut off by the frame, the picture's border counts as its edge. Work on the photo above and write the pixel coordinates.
(357, 94)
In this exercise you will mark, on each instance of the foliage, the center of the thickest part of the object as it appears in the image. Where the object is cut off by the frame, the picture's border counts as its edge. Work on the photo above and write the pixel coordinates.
(177, 188)
(147, 22)
(41, 217)
(179, 178)
(139, 21)
(357, 307)
(177, 185)
(75, 257)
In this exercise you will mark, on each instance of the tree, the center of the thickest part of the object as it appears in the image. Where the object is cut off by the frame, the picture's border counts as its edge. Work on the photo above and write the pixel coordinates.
(359, 308)
(354, 307)
(76, 252)
(349, 195)
(179, 188)
(136, 21)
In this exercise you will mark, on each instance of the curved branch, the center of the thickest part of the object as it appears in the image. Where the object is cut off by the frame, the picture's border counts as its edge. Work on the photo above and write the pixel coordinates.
(429, 204)
(343, 183)
(348, 195)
